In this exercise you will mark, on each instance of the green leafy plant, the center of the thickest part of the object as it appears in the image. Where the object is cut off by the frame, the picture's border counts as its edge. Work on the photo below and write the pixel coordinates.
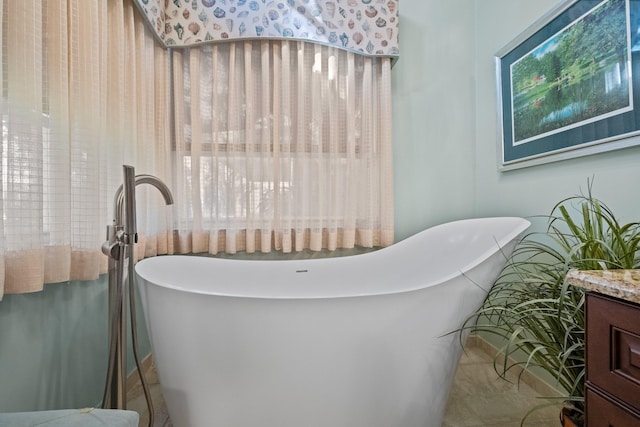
(535, 313)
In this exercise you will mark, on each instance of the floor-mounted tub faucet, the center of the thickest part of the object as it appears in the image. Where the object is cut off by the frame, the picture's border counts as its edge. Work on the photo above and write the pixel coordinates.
(121, 237)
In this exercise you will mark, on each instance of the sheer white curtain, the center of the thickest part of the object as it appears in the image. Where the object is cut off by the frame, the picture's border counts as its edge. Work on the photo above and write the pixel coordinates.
(83, 91)
(267, 144)
(281, 145)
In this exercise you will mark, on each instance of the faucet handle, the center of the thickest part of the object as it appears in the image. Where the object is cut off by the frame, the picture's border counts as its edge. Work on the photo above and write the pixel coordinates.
(112, 250)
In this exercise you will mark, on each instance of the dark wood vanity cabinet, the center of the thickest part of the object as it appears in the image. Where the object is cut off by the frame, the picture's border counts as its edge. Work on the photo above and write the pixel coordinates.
(612, 362)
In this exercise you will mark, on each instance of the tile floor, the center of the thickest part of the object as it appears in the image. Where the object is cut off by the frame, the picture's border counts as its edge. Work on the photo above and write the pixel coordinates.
(137, 402)
(478, 398)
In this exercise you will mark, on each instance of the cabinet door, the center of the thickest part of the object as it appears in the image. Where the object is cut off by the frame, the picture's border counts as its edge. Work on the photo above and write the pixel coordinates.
(613, 347)
(601, 412)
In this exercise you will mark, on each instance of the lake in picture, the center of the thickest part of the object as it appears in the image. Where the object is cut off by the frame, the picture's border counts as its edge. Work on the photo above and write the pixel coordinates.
(579, 75)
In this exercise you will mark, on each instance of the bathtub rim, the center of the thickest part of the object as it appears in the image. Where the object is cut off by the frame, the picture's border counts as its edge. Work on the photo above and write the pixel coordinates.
(519, 226)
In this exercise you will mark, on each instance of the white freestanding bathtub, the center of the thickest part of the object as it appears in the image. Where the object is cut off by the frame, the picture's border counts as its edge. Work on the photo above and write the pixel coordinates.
(357, 341)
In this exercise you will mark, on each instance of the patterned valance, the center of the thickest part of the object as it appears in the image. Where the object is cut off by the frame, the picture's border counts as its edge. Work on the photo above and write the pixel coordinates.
(369, 27)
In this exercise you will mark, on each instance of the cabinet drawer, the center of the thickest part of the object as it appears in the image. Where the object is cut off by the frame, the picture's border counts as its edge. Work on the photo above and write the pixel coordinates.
(603, 412)
(613, 347)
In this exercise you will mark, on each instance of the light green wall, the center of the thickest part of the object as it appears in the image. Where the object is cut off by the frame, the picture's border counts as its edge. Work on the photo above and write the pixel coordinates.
(53, 347)
(433, 114)
(535, 190)
(445, 123)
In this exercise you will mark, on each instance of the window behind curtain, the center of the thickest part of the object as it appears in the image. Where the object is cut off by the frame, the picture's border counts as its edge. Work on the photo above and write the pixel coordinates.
(78, 100)
(281, 145)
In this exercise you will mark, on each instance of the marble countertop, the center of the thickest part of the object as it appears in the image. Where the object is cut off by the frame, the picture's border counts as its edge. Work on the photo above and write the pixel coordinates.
(623, 284)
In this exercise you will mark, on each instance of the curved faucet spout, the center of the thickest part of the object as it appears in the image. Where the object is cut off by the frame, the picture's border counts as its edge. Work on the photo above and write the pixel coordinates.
(118, 200)
(150, 179)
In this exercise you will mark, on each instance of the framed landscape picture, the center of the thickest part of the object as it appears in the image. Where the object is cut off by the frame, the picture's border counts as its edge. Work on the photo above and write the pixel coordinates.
(569, 85)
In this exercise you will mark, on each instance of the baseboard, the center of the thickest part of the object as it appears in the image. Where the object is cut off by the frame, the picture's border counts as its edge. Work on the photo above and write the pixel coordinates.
(539, 385)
